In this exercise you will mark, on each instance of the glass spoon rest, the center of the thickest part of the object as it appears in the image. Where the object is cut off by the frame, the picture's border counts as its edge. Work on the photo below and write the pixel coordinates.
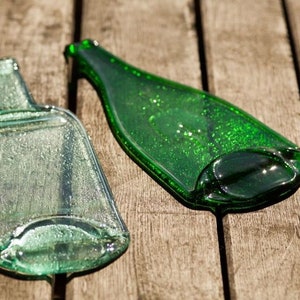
(205, 151)
(57, 213)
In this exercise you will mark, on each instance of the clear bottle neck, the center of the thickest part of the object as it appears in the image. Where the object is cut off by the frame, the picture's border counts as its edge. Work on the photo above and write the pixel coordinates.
(14, 94)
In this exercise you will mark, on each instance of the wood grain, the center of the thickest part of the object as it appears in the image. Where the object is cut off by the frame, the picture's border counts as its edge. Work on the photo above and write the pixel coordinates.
(293, 11)
(249, 63)
(35, 32)
(174, 250)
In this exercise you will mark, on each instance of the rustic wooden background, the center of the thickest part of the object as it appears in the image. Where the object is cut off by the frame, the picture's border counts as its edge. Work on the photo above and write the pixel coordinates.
(245, 51)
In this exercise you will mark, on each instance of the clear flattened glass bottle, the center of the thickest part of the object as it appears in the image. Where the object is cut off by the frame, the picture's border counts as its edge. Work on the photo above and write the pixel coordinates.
(57, 213)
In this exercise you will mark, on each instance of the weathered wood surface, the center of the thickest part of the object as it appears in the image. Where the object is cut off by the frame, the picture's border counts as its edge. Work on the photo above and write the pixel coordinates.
(293, 13)
(35, 32)
(249, 62)
(174, 251)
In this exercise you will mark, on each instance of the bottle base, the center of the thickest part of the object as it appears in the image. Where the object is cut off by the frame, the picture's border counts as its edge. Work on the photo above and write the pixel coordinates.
(61, 245)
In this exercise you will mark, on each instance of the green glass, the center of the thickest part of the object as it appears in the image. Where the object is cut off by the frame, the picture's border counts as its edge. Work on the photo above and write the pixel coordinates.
(57, 214)
(208, 153)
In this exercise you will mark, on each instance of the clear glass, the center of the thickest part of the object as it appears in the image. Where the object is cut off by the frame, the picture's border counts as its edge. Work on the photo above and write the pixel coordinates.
(57, 214)
(205, 151)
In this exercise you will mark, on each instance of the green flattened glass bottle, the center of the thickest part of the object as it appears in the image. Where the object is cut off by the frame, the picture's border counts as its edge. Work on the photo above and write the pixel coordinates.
(56, 210)
(208, 153)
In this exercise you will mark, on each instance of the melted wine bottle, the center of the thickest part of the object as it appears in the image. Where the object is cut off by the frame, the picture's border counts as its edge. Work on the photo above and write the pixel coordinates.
(208, 153)
(56, 209)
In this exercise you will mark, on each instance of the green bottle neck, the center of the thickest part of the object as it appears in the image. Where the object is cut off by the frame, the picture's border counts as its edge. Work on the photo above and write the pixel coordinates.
(96, 64)
(14, 94)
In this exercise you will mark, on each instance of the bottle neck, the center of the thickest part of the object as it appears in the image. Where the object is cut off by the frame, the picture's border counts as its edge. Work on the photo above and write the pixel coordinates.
(95, 63)
(14, 94)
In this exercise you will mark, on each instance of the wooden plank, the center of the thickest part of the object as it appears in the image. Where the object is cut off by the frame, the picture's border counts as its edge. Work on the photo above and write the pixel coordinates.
(293, 11)
(35, 32)
(249, 63)
(174, 251)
